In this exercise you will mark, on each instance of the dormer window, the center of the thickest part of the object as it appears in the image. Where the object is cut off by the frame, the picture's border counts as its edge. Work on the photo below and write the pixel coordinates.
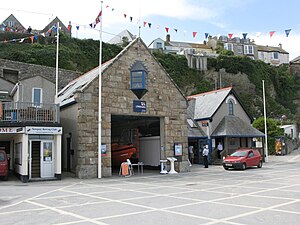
(138, 79)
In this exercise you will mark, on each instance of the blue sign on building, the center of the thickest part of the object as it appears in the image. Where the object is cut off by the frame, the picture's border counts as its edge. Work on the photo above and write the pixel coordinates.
(139, 106)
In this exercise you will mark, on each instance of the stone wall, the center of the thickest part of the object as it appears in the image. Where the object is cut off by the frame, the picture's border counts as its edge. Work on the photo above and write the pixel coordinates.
(163, 99)
(25, 70)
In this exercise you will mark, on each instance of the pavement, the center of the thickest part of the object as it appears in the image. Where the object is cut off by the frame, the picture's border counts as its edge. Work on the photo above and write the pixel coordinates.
(270, 195)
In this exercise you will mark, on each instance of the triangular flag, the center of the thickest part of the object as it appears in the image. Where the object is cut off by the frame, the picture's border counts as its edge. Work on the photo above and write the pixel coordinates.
(258, 34)
(157, 27)
(206, 35)
(272, 33)
(107, 6)
(149, 24)
(167, 29)
(112, 9)
(125, 16)
(245, 35)
(230, 35)
(176, 30)
(145, 23)
(77, 27)
(98, 18)
(69, 27)
(31, 38)
(194, 34)
(21, 41)
(43, 34)
(287, 32)
(131, 19)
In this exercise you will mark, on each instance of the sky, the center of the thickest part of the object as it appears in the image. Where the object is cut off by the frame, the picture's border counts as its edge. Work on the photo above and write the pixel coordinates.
(257, 18)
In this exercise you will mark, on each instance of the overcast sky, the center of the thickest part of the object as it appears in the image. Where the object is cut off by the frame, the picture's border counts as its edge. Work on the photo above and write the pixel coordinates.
(216, 17)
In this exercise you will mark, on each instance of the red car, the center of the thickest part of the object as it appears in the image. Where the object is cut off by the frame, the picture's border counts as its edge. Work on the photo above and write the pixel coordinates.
(3, 165)
(243, 158)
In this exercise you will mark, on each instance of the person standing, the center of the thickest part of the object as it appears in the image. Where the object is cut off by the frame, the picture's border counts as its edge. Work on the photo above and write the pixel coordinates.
(191, 153)
(205, 156)
(220, 149)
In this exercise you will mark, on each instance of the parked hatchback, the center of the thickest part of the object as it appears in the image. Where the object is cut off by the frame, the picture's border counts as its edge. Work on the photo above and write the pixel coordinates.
(243, 158)
(3, 165)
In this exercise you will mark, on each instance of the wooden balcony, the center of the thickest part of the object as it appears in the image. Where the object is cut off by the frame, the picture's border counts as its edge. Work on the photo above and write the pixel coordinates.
(28, 113)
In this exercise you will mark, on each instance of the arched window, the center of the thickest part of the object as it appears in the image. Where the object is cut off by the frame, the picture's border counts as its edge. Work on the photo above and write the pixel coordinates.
(230, 107)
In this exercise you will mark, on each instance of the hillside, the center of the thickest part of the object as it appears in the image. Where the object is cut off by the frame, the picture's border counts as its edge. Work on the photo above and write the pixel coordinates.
(244, 74)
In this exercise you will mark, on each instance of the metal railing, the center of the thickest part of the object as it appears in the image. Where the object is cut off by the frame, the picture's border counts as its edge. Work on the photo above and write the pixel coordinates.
(16, 112)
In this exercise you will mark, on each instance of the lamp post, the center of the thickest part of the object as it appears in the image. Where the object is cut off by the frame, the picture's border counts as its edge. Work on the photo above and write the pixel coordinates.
(265, 121)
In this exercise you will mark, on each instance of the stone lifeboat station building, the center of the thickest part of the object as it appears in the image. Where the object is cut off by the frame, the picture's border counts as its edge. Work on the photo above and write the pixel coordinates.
(143, 115)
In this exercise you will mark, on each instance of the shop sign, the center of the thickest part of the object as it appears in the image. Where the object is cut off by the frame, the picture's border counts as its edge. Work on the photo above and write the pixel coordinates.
(43, 130)
(10, 130)
(139, 106)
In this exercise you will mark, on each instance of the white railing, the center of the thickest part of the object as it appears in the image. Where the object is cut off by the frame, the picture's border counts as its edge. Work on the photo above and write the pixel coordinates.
(28, 112)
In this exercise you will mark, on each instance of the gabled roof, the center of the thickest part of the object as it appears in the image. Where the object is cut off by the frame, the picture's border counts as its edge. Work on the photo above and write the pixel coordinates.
(194, 131)
(271, 49)
(206, 104)
(295, 60)
(54, 22)
(66, 95)
(11, 17)
(232, 126)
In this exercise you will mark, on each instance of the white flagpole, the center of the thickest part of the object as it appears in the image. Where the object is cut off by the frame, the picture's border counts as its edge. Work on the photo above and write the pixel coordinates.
(99, 99)
(57, 49)
(265, 120)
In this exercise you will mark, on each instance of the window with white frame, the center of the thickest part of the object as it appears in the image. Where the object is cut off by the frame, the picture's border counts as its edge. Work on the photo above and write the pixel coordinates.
(275, 55)
(248, 49)
(228, 46)
(240, 49)
(37, 96)
(10, 23)
(158, 45)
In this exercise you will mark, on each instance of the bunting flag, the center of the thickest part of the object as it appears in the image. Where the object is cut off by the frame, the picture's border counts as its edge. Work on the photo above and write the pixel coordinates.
(69, 27)
(98, 18)
(77, 27)
(32, 39)
(145, 23)
(194, 34)
(175, 30)
(245, 35)
(43, 34)
(287, 32)
(230, 35)
(107, 6)
(131, 19)
(272, 33)
(206, 35)
(125, 15)
(167, 29)
(112, 9)
(149, 24)
(258, 34)
(158, 27)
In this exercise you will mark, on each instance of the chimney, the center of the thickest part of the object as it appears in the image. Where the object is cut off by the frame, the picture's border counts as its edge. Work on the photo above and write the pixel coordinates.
(168, 38)
(280, 45)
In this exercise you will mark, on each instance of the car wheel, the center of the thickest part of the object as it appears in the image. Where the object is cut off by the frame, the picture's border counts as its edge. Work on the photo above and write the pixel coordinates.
(226, 168)
(259, 164)
(244, 166)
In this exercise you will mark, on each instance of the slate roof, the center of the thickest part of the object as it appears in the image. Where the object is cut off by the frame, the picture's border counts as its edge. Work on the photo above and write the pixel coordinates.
(206, 104)
(232, 126)
(296, 60)
(194, 131)
(271, 49)
(118, 38)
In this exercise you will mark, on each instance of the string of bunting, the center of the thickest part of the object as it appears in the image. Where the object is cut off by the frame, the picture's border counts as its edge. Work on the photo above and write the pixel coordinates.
(150, 25)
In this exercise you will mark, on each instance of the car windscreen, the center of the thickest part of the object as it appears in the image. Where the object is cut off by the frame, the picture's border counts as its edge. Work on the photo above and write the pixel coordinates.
(239, 154)
(2, 157)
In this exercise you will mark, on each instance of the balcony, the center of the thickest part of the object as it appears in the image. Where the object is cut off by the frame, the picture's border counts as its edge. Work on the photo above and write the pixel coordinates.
(28, 113)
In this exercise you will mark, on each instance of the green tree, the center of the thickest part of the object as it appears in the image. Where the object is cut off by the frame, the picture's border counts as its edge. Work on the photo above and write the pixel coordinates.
(273, 130)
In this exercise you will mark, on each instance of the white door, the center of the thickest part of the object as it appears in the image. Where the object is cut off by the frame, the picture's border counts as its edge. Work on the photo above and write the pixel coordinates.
(47, 159)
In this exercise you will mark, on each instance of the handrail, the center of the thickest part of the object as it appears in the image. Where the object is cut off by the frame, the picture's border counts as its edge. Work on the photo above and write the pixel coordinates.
(29, 112)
